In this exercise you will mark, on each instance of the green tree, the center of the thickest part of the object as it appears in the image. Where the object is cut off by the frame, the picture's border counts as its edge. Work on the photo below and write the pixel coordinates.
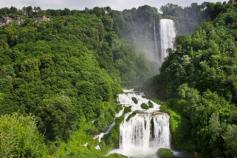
(230, 138)
(56, 117)
(20, 138)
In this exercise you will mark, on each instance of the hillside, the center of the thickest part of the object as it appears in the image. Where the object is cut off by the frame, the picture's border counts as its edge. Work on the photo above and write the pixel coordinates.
(64, 68)
(61, 72)
(198, 80)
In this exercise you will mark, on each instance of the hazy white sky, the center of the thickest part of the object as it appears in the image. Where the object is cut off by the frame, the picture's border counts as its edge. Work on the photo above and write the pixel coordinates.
(81, 4)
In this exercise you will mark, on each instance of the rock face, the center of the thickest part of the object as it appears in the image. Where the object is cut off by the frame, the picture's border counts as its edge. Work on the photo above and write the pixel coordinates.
(42, 19)
(145, 30)
(233, 1)
(141, 28)
(6, 20)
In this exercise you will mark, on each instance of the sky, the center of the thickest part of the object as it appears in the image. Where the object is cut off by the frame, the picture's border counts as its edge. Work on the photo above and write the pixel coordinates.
(81, 4)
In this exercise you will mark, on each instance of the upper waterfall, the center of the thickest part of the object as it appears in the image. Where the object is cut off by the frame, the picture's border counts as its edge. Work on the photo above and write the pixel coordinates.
(156, 49)
(167, 37)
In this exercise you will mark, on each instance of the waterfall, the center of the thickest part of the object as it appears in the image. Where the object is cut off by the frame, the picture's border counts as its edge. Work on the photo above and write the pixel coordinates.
(167, 36)
(144, 134)
(143, 131)
(101, 135)
(155, 40)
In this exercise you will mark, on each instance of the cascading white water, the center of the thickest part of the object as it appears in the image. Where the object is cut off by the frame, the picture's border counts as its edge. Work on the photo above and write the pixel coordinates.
(142, 134)
(155, 40)
(144, 131)
(167, 36)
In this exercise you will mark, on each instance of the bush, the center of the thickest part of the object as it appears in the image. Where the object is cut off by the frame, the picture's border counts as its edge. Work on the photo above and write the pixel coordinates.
(56, 117)
(165, 153)
(144, 106)
(131, 116)
(178, 126)
(127, 110)
(134, 99)
(150, 104)
(19, 137)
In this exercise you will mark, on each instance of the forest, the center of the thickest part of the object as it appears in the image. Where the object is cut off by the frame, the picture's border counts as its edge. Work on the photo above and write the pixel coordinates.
(199, 81)
(61, 71)
(57, 77)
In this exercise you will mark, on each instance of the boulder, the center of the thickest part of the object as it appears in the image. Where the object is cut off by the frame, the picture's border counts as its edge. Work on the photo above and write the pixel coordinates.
(165, 153)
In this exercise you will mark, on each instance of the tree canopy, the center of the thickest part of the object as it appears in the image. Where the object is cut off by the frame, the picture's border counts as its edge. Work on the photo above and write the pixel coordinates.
(200, 77)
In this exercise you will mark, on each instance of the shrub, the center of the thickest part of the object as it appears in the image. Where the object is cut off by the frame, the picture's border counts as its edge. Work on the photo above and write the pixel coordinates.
(165, 153)
(144, 106)
(19, 137)
(150, 104)
(134, 99)
(130, 116)
(127, 110)
(56, 117)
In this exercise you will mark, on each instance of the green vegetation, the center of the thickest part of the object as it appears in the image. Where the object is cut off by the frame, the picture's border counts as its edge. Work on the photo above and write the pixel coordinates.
(165, 153)
(179, 126)
(147, 106)
(131, 115)
(112, 139)
(19, 137)
(64, 68)
(198, 81)
(150, 104)
(144, 106)
(127, 109)
(83, 145)
(134, 99)
(56, 118)
(60, 71)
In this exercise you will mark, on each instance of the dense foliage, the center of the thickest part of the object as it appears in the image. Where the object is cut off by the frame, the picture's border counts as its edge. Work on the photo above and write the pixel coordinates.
(65, 69)
(19, 137)
(60, 71)
(200, 78)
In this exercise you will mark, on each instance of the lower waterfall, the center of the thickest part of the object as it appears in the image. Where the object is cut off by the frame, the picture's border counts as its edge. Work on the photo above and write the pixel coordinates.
(143, 130)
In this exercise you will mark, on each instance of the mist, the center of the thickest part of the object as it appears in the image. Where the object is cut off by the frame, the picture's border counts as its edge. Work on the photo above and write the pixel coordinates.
(141, 28)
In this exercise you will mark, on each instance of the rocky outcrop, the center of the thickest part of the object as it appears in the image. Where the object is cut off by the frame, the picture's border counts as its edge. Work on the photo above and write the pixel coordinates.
(233, 1)
(42, 19)
(154, 113)
(5, 20)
